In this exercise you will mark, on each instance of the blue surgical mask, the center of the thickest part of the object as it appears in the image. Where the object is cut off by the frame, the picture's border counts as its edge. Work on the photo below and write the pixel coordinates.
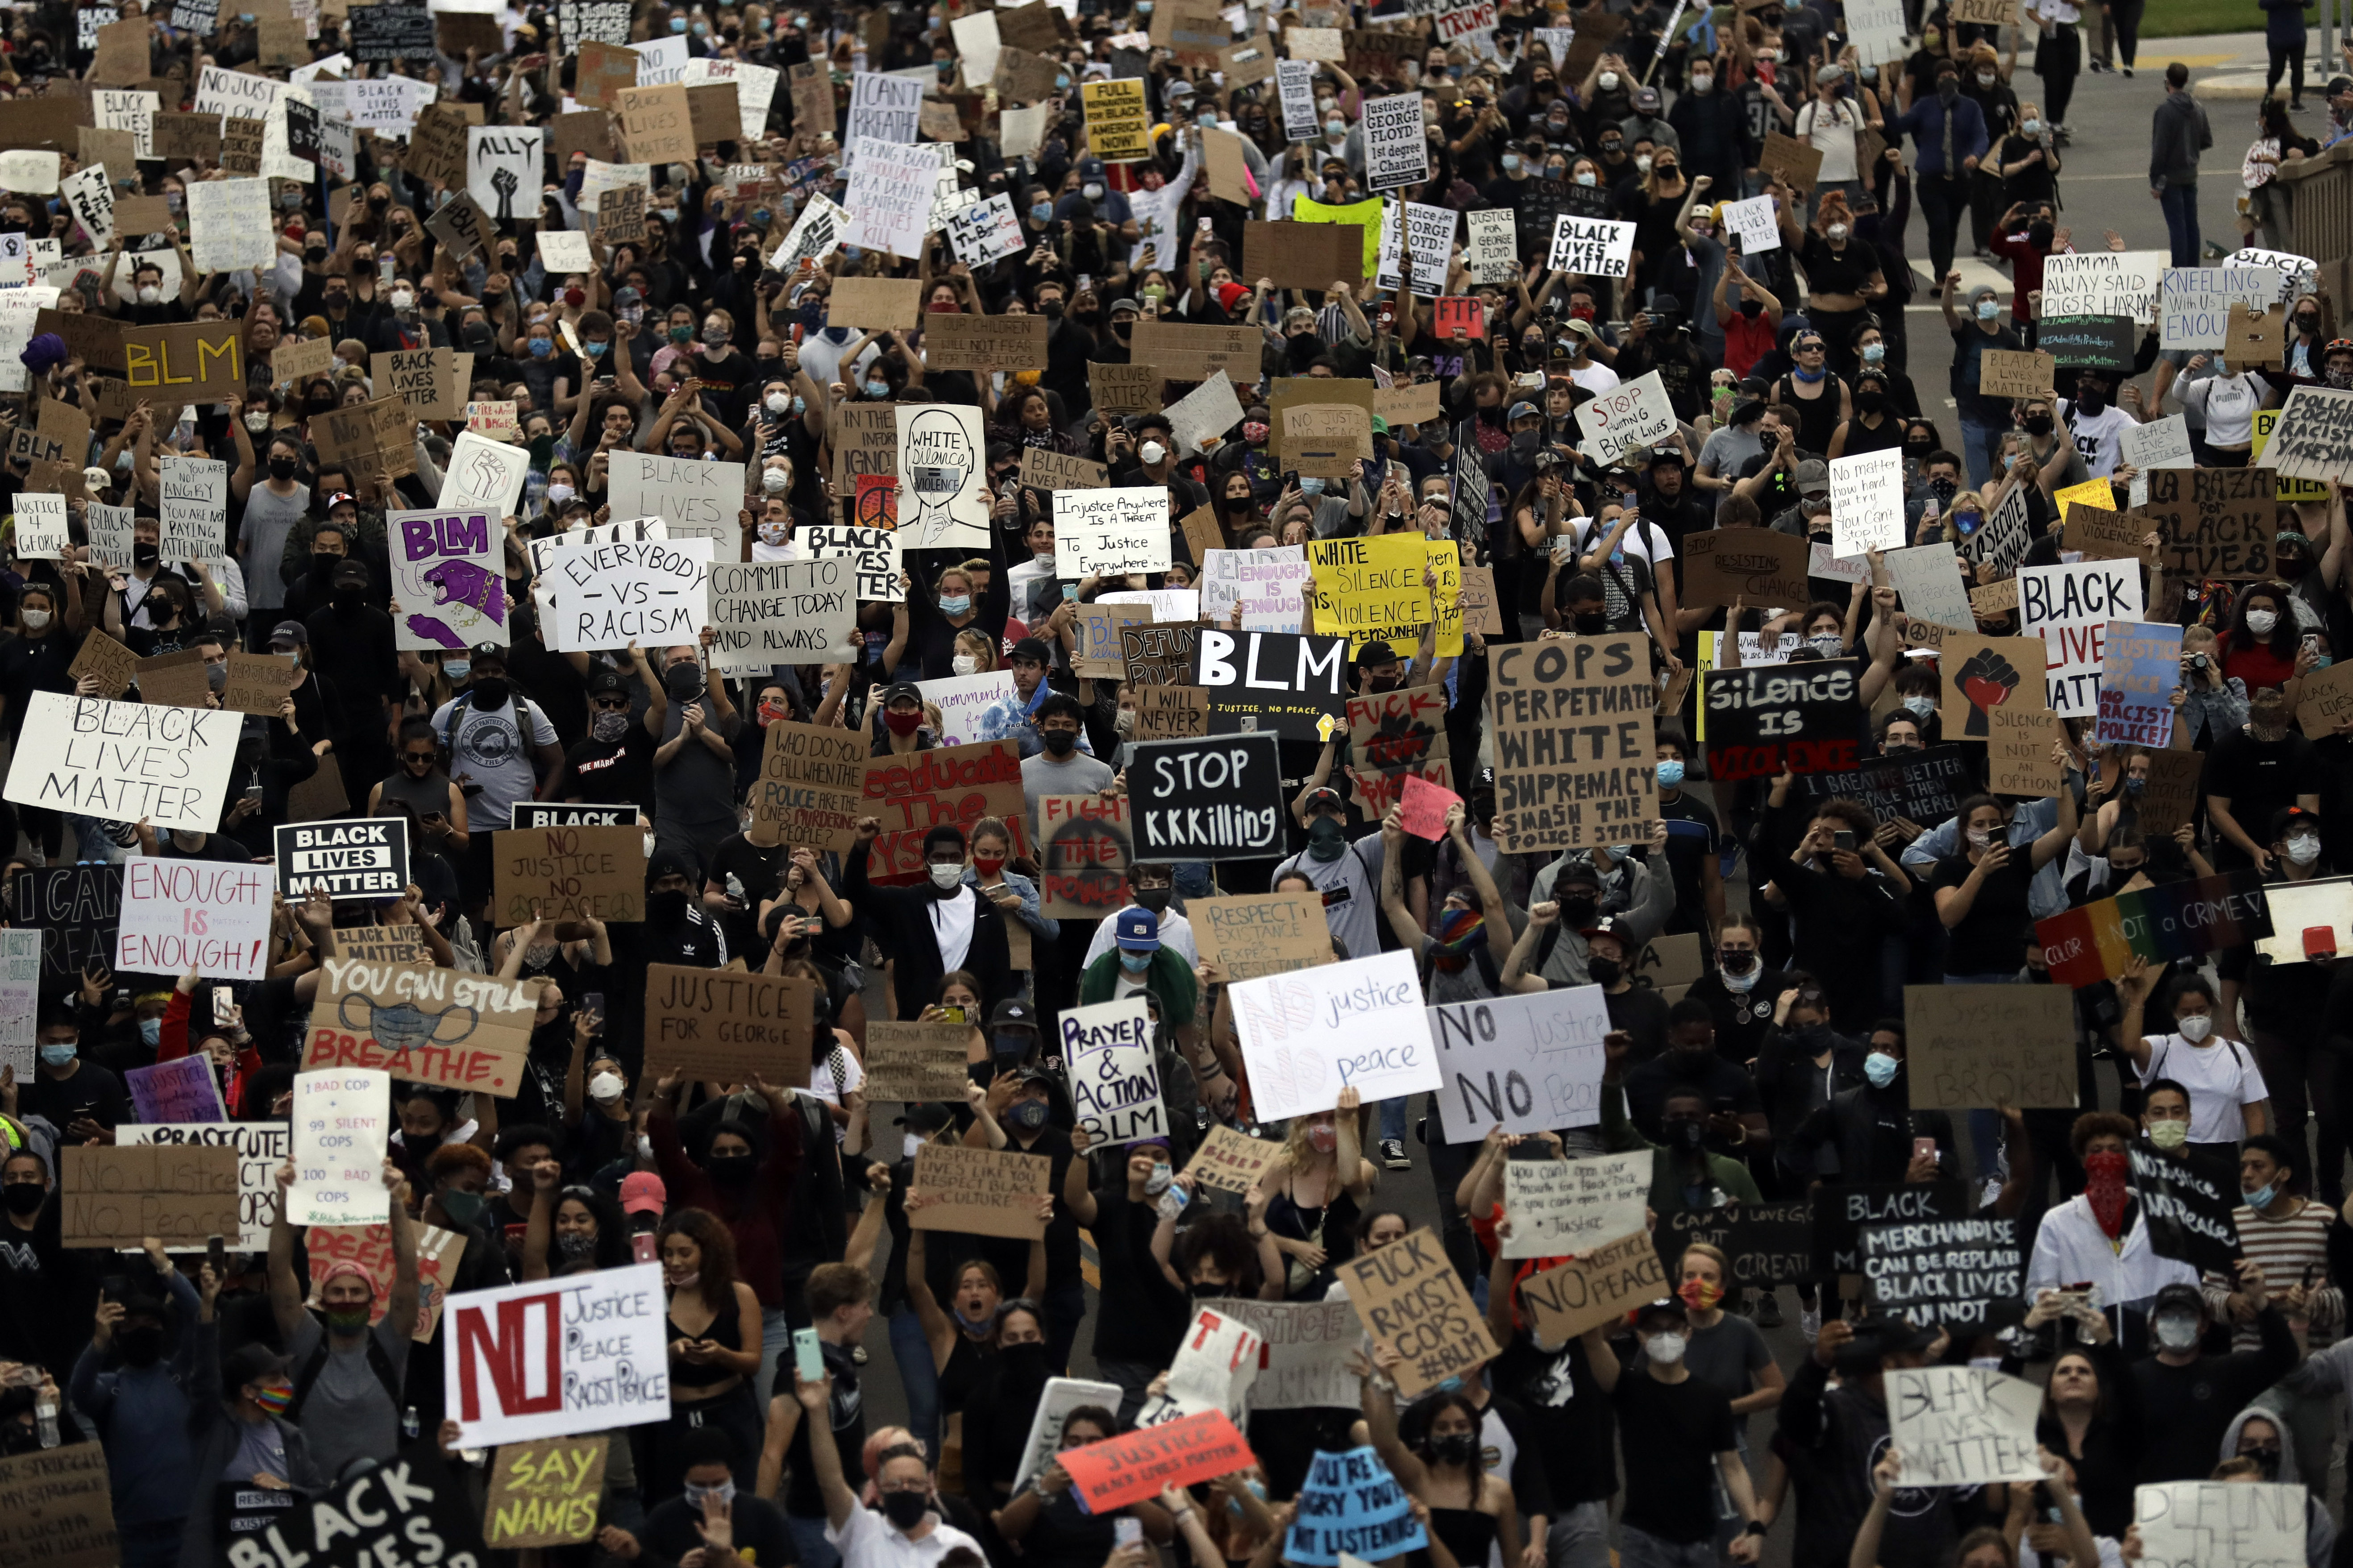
(1310, 486)
(1670, 772)
(1988, 310)
(1920, 708)
(1135, 963)
(594, 350)
(677, 24)
(151, 1031)
(1258, 1490)
(1880, 1068)
(2261, 1197)
(954, 603)
(1511, 162)
(1872, 354)
(877, 388)
(1449, 1386)
(542, 347)
(1040, 212)
(59, 1055)
(456, 668)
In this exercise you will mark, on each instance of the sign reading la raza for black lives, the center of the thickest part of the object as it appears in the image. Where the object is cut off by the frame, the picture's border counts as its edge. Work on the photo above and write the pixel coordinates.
(1279, 682)
(1214, 797)
(1575, 747)
(1776, 718)
(354, 858)
(2216, 523)
(2314, 438)
(1924, 786)
(2187, 1203)
(1969, 1272)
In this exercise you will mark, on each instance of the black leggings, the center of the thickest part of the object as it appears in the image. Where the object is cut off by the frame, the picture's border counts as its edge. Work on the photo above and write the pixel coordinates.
(2124, 15)
(2286, 60)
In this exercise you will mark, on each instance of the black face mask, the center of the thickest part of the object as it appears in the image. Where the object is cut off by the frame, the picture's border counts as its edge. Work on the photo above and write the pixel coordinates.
(1454, 1448)
(1153, 898)
(1605, 971)
(144, 556)
(2037, 424)
(322, 566)
(282, 468)
(1687, 1134)
(1061, 742)
(1208, 1290)
(141, 1346)
(1590, 625)
(349, 598)
(727, 1170)
(490, 694)
(1869, 401)
(1575, 914)
(669, 907)
(318, 408)
(905, 1510)
(24, 1197)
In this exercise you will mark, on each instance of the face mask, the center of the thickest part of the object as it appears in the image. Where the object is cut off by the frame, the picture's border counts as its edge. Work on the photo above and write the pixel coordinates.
(1135, 963)
(1670, 774)
(542, 347)
(354, 1319)
(144, 555)
(2304, 850)
(1985, 78)
(667, 907)
(34, 620)
(1041, 212)
(1835, 231)
(1979, 838)
(1590, 625)
(1703, 84)
(1643, 162)
(946, 878)
(964, 663)
(1310, 487)
(1880, 1068)
(1454, 1448)
(1666, 1349)
(456, 668)
(1587, 177)
(1988, 310)
(2195, 1027)
(606, 1086)
(2174, 1331)
(24, 1198)
(2261, 1198)
(1028, 1115)
(1512, 162)
(2169, 1135)
(151, 1031)
(1151, 452)
(150, 295)
(142, 1346)
(2260, 622)
(1325, 839)
(904, 723)
(59, 1055)
(954, 603)
(1061, 742)
(715, 337)
(731, 1169)
(1323, 1140)
(1604, 971)
(1947, 90)
(1608, 81)
(282, 466)
(1157, 1182)
(905, 1510)
(464, 1208)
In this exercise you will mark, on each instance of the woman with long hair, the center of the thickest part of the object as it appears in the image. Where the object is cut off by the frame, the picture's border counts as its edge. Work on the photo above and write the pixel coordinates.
(1316, 1188)
(1470, 1510)
(965, 1335)
(572, 1230)
(2091, 1410)
(1046, 1520)
(2259, 647)
(713, 1328)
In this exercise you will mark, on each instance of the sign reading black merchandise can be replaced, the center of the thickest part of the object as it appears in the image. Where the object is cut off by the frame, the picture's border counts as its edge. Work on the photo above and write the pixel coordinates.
(1969, 1272)
(360, 858)
(1213, 797)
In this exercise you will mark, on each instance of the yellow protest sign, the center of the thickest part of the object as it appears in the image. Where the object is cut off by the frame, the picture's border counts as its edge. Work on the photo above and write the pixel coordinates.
(1119, 127)
(1369, 589)
(1446, 598)
(2289, 489)
(1367, 213)
(2091, 492)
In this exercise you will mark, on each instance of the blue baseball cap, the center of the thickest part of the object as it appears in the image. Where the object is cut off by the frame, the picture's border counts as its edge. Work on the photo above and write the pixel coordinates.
(1139, 931)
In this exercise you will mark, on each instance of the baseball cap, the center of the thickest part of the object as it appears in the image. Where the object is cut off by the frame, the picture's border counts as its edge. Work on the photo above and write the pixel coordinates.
(1139, 931)
(1813, 477)
(1524, 410)
(608, 683)
(1013, 1010)
(2178, 1294)
(1323, 794)
(1665, 1307)
(97, 479)
(291, 633)
(251, 1363)
(1033, 649)
(642, 1192)
(1126, 307)
(1646, 99)
(1375, 654)
(929, 1116)
(351, 574)
(901, 689)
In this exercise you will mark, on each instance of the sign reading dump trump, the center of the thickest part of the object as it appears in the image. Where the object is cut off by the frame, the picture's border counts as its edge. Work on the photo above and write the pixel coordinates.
(124, 761)
(583, 1353)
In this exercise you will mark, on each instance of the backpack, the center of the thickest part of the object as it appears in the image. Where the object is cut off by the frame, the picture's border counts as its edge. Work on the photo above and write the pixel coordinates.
(378, 1363)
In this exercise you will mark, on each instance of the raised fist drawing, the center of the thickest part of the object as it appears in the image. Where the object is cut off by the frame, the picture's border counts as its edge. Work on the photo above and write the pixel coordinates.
(1987, 680)
(503, 181)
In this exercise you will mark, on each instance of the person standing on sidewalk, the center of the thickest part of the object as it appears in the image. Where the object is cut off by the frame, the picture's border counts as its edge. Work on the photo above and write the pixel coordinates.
(2177, 134)
(2285, 33)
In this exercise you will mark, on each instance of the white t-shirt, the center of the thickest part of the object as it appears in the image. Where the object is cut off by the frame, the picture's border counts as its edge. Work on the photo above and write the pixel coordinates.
(2098, 436)
(1351, 887)
(2220, 1076)
(1175, 931)
(1595, 377)
(1831, 132)
(823, 1084)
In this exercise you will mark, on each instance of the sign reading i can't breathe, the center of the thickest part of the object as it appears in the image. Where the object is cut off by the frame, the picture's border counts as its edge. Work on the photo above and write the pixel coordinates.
(360, 859)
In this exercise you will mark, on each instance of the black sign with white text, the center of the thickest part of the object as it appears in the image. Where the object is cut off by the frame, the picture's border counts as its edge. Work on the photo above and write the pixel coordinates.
(1768, 1244)
(1798, 717)
(1926, 785)
(1214, 797)
(352, 857)
(571, 814)
(1841, 1212)
(408, 1510)
(1968, 1272)
(2187, 1203)
(79, 910)
(1272, 681)
(385, 33)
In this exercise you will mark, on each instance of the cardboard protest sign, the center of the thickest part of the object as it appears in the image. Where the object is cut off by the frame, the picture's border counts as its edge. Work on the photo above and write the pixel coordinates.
(1764, 720)
(1217, 797)
(2180, 919)
(1231, 1161)
(1600, 1287)
(428, 1025)
(980, 1191)
(1114, 1472)
(259, 683)
(811, 786)
(1115, 1077)
(439, 1254)
(514, 1374)
(124, 761)
(2141, 665)
(1412, 1299)
(1969, 1048)
(181, 1089)
(1249, 935)
(914, 793)
(2069, 607)
(2194, 1525)
(2005, 373)
(1754, 565)
(1309, 1033)
(1968, 1272)
(1561, 1207)
(1186, 351)
(1530, 1063)
(183, 1194)
(914, 1062)
(367, 859)
(2314, 437)
(2171, 795)
(1085, 845)
(727, 1025)
(1351, 1509)
(1983, 675)
(1963, 1426)
(568, 873)
(962, 340)
(2189, 1204)
(1569, 783)
(545, 1493)
(210, 916)
(76, 910)
(2216, 523)
(56, 1505)
(258, 1147)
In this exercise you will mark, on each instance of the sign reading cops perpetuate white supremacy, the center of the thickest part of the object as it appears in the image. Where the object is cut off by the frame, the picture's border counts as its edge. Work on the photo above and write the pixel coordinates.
(124, 761)
(361, 858)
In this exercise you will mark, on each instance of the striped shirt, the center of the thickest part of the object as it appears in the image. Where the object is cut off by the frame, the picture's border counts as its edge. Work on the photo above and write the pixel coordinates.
(2292, 1252)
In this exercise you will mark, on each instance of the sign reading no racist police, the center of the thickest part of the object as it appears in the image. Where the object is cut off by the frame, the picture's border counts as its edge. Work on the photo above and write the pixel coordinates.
(1213, 797)
(355, 858)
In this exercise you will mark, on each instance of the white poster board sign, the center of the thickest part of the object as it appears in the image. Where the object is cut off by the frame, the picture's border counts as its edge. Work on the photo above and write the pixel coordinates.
(1867, 502)
(1114, 1078)
(1559, 1206)
(962, 699)
(2201, 1524)
(1266, 583)
(517, 1367)
(1530, 1063)
(1309, 1033)
(342, 1125)
(124, 761)
(1595, 247)
(942, 475)
(2194, 302)
(1112, 532)
(1962, 1425)
(651, 592)
(1631, 414)
(2069, 607)
(211, 916)
(1756, 224)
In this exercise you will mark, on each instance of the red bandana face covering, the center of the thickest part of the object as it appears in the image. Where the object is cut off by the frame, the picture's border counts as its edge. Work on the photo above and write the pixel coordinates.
(2105, 1188)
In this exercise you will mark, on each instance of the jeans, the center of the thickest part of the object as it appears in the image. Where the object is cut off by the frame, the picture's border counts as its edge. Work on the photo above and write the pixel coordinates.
(1393, 1118)
(919, 1377)
(1981, 451)
(1640, 1549)
(1985, 1126)
(2287, 59)
(2180, 205)
(775, 1341)
(808, 1539)
(1580, 1537)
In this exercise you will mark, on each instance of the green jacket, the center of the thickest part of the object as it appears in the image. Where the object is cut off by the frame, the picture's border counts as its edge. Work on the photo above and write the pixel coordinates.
(1169, 982)
(1618, 1135)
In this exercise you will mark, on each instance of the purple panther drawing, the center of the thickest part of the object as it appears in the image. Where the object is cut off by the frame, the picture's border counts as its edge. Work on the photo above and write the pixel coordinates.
(461, 583)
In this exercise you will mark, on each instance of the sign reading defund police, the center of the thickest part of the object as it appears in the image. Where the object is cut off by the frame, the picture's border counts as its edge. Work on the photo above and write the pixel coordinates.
(352, 859)
(1214, 797)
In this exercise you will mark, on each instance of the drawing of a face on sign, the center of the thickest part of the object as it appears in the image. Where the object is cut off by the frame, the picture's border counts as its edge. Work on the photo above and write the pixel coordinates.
(1086, 864)
(938, 460)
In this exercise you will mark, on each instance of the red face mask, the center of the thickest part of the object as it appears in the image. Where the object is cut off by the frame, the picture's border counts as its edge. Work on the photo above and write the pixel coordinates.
(988, 865)
(904, 723)
(2104, 1187)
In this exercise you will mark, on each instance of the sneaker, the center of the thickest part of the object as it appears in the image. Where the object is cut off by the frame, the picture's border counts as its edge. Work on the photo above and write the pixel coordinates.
(1393, 1155)
(1769, 1309)
(1809, 1323)
(2128, 73)
(2295, 107)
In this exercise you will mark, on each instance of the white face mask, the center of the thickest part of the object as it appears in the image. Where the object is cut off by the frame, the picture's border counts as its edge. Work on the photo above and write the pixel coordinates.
(775, 481)
(2195, 1027)
(964, 663)
(1608, 81)
(779, 404)
(1703, 84)
(256, 422)
(1835, 231)
(1045, 559)
(2174, 1331)
(946, 877)
(1985, 78)
(606, 1086)
(1152, 451)
(150, 295)
(2260, 622)
(34, 620)
(403, 300)
(649, 845)
(1666, 1349)
(2303, 848)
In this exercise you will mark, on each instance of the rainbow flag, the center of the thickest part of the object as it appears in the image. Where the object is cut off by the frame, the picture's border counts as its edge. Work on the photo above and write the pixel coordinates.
(2180, 919)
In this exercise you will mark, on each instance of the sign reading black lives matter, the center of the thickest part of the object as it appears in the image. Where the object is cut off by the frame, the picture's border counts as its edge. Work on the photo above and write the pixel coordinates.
(1969, 1272)
(355, 858)
(2314, 438)
(1924, 786)
(1775, 718)
(409, 1509)
(2188, 1204)
(1594, 247)
(1214, 797)
(1841, 1212)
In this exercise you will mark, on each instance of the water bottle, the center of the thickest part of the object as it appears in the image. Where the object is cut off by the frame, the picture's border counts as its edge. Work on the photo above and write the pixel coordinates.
(734, 889)
(45, 1412)
(408, 1426)
(1172, 1201)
